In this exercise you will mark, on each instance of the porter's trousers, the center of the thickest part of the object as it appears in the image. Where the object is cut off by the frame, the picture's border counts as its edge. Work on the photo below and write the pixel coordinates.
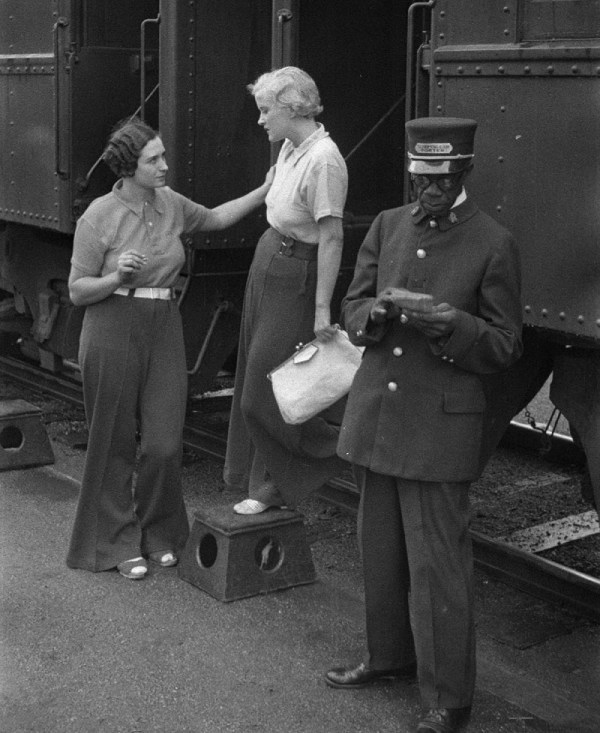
(418, 570)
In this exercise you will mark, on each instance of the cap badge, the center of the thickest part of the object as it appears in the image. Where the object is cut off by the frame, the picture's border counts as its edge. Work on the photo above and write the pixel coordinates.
(433, 148)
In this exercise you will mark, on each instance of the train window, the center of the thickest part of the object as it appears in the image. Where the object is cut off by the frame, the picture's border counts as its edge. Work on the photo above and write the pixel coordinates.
(560, 19)
(116, 23)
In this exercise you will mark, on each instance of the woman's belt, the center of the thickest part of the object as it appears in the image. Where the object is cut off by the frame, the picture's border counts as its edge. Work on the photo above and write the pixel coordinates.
(291, 247)
(155, 293)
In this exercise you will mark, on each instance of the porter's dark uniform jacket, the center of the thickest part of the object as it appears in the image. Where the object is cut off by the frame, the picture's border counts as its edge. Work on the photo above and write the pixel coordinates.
(415, 409)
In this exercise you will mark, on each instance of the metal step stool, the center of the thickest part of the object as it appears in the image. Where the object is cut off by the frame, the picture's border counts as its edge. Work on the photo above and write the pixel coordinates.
(233, 556)
(23, 438)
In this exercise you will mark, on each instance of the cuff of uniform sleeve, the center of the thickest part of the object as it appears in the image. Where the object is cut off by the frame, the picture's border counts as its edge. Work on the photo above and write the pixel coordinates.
(460, 340)
(366, 331)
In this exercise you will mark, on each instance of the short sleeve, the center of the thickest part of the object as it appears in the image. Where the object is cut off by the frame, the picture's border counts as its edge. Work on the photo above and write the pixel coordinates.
(89, 249)
(194, 215)
(327, 190)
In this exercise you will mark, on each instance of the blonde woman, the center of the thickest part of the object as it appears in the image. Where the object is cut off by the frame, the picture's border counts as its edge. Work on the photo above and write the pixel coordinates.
(288, 298)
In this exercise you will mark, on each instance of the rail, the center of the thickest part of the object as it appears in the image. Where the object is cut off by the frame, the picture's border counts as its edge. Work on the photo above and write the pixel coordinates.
(524, 570)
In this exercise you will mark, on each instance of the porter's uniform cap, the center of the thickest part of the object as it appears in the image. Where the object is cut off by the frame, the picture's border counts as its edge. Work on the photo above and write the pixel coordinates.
(439, 145)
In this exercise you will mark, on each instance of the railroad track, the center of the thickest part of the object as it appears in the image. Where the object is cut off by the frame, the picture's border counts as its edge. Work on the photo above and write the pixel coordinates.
(504, 560)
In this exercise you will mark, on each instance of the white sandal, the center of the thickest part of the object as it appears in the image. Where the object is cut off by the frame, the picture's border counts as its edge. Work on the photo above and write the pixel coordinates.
(134, 569)
(166, 558)
(250, 506)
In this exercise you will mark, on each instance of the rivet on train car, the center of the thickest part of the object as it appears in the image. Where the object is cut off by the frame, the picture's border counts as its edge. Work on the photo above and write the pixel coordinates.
(527, 69)
(575, 69)
(442, 13)
(598, 322)
(506, 32)
(503, 109)
(440, 84)
(460, 70)
(550, 69)
(544, 313)
(498, 208)
(439, 108)
(438, 69)
(562, 315)
(500, 159)
(478, 69)
(580, 319)
(501, 69)
(527, 309)
(506, 9)
(597, 69)
(442, 36)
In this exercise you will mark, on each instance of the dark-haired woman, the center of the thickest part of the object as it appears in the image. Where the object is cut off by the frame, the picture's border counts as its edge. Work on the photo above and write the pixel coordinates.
(127, 255)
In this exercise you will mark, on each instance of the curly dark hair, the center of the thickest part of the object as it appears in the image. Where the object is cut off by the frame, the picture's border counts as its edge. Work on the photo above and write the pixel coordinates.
(127, 140)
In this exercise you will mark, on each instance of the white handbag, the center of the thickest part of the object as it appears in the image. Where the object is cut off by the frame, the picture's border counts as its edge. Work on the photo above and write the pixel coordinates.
(315, 377)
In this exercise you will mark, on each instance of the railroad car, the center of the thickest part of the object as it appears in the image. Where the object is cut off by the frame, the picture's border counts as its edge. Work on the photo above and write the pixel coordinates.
(527, 70)
(70, 69)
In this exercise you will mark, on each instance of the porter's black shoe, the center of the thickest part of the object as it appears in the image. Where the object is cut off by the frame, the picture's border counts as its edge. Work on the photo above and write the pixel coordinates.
(352, 678)
(444, 720)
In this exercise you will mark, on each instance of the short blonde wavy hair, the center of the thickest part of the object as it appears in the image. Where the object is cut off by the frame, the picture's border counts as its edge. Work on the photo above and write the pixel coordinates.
(290, 87)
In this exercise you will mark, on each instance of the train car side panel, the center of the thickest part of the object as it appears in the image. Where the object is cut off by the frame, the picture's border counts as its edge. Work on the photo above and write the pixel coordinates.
(31, 191)
(536, 166)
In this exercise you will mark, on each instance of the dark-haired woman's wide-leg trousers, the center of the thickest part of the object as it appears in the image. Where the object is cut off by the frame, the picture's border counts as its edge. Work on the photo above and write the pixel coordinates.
(134, 376)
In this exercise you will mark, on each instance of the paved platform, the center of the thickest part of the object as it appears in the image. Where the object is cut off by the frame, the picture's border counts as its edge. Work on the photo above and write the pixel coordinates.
(95, 653)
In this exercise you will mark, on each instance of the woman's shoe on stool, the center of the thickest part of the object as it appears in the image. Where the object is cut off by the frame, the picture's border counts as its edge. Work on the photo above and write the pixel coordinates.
(134, 569)
(353, 678)
(164, 558)
(250, 506)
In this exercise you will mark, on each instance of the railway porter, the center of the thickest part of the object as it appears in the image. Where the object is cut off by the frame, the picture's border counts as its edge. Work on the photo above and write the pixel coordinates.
(413, 423)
